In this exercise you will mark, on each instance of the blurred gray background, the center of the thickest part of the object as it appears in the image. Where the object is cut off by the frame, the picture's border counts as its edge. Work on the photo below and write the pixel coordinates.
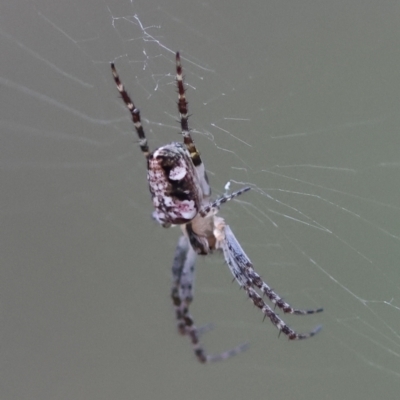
(298, 99)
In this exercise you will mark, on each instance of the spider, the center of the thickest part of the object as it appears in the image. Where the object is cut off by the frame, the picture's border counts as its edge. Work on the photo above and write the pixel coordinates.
(181, 196)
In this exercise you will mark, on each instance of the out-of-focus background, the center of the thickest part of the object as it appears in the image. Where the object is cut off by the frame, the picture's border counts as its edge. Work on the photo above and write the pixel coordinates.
(299, 100)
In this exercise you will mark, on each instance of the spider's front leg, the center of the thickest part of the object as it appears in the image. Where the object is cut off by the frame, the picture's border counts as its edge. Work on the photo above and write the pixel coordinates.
(179, 291)
(244, 273)
(183, 272)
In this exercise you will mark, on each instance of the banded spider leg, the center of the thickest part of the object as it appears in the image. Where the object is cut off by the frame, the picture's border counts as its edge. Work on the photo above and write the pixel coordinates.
(244, 273)
(183, 271)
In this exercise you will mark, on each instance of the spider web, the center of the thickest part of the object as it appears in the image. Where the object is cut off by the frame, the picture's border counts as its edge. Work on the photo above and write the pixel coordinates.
(299, 102)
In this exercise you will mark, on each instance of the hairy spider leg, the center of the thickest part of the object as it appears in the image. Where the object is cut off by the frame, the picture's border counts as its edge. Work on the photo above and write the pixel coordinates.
(134, 112)
(183, 272)
(221, 200)
(239, 264)
(184, 115)
(187, 138)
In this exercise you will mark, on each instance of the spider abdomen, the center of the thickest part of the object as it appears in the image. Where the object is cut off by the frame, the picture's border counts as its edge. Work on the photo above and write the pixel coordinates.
(174, 185)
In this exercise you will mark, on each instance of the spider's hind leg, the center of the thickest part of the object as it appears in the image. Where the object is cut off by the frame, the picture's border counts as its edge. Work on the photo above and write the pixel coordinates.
(135, 112)
(185, 130)
(184, 114)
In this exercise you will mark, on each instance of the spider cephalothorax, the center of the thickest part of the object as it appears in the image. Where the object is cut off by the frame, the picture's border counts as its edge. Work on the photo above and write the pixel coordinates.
(181, 196)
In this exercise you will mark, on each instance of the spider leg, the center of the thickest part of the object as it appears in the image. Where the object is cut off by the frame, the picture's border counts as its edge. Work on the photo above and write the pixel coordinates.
(247, 266)
(184, 115)
(187, 138)
(182, 295)
(242, 269)
(278, 322)
(180, 257)
(133, 110)
(221, 200)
